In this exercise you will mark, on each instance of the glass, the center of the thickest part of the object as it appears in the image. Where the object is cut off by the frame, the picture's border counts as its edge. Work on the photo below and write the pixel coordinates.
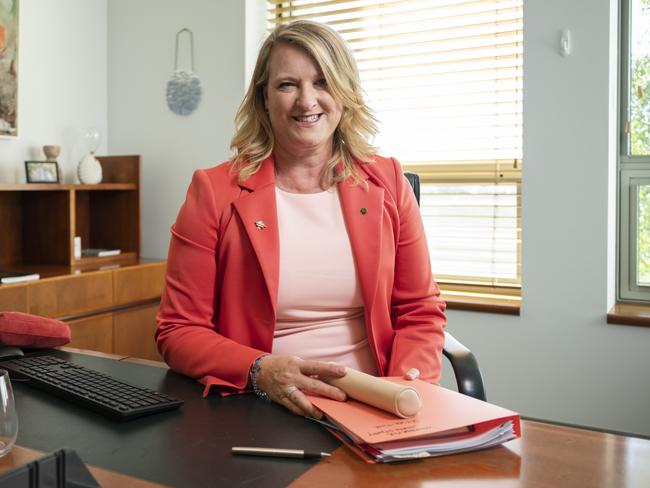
(8, 416)
(643, 236)
(92, 137)
(640, 78)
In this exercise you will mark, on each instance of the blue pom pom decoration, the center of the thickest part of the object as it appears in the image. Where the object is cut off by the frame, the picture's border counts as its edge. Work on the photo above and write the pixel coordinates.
(184, 92)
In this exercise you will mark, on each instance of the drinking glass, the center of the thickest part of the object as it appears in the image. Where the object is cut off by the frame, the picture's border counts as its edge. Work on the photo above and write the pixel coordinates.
(8, 416)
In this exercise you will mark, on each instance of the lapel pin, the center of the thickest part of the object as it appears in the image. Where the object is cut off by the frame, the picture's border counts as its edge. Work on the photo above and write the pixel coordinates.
(364, 210)
(260, 225)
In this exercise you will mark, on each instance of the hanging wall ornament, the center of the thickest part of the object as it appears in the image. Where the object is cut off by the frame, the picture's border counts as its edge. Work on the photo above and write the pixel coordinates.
(184, 88)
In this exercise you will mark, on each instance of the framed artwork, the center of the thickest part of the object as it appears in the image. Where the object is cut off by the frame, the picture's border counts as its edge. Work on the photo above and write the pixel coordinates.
(8, 67)
(42, 171)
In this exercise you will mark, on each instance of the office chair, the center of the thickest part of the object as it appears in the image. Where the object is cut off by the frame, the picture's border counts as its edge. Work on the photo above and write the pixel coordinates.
(463, 362)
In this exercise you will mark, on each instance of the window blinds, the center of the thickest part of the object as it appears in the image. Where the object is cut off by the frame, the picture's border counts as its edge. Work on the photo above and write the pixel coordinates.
(444, 78)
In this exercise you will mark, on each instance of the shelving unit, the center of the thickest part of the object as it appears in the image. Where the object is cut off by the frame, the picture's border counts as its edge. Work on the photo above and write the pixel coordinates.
(109, 302)
(41, 220)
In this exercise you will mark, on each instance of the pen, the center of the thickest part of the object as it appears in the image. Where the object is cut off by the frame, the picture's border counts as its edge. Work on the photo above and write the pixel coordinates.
(274, 452)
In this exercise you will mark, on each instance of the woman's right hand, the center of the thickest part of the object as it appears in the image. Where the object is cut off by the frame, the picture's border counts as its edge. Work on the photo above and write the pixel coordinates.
(286, 380)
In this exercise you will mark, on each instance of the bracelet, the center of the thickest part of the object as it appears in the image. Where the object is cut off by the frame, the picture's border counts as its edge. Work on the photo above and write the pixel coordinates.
(255, 368)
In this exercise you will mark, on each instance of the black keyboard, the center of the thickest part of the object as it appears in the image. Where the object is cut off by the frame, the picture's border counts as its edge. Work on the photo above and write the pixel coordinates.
(88, 388)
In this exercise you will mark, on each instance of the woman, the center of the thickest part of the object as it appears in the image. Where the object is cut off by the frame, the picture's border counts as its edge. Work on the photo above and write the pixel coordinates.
(306, 254)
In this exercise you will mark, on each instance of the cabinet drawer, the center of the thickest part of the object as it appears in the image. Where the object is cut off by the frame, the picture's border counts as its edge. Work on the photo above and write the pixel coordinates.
(69, 295)
(133, 332)
(138, 283)
(13, 298)
(94, 333)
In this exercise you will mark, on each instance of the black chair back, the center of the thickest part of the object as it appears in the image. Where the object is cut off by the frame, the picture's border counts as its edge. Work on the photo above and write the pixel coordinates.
(464, 363)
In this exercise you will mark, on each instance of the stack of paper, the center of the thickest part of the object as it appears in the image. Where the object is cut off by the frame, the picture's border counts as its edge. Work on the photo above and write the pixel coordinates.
(448, 423)
(98, 252)
(9, 277)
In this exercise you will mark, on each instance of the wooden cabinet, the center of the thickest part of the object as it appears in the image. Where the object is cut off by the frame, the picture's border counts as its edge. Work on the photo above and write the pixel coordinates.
(110, 311)
(133, 331)
(13, 298)
(94, 333)
(71, 295)
(109, 302)
(137, 284)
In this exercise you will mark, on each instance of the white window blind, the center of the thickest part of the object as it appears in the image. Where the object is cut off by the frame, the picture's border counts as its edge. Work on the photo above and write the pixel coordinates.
(444, 78)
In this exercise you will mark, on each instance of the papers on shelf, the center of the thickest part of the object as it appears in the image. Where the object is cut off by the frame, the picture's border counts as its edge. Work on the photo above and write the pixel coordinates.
(9, 277)
(448, 423)
(99, 253)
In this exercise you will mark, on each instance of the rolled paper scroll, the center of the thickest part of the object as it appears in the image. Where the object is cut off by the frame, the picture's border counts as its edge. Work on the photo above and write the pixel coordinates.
(403, 401)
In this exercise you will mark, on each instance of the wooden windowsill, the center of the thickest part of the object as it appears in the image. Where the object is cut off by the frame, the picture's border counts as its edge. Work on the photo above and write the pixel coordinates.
(483, 303)
(629, 314)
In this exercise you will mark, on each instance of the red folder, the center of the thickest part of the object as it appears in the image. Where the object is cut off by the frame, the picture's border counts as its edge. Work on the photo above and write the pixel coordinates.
(448, 422)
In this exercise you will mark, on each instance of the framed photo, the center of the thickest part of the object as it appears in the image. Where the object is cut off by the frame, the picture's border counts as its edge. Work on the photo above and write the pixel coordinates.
(42, 171)
(8, 68)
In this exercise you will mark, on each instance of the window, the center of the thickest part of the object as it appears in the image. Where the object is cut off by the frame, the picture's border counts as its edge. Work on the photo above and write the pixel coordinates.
(634, 159)
(444, 78)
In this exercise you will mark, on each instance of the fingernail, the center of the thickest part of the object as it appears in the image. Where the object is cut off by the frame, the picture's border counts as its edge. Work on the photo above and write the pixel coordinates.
(317, 415)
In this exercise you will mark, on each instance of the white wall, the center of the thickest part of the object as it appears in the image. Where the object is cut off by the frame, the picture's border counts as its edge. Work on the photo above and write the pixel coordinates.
(141, 38)
(61, 83)
(559, 360)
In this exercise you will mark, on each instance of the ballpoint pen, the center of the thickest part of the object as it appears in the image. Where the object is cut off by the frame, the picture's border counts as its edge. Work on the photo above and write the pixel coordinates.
(274, 452)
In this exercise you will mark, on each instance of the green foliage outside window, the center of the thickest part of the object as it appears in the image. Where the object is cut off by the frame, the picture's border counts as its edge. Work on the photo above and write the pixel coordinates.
(640, 129)
(640, 78)
(640, 126)
(643, 235)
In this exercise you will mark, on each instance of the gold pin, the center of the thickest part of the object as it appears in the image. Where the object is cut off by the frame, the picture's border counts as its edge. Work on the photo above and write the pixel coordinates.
(260, 224)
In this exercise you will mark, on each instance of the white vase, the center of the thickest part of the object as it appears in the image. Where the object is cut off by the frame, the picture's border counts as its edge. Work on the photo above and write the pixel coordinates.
(89, 170)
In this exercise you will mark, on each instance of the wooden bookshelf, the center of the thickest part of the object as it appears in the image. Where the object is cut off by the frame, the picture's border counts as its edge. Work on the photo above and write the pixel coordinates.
(109, 302)
(43, 219)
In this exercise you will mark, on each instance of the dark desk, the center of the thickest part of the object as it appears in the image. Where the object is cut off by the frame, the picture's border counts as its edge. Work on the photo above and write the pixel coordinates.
(191, 447)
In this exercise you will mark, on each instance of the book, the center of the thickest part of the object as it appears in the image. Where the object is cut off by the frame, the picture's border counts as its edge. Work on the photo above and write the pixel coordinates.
(448, 423)
(9, 277)
(99, 252)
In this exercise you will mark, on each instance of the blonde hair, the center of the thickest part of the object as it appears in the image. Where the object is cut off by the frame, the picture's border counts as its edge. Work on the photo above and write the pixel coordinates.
(253, 141)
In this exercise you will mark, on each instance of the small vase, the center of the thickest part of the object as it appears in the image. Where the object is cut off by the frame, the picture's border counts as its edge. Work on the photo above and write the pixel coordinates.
(51, 152)
(89, 170)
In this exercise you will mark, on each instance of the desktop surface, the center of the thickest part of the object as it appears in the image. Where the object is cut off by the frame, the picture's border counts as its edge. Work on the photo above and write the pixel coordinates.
(189, 446)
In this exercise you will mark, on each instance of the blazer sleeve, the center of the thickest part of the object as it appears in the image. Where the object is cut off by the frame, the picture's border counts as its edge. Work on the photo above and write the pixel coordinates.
(187, 335)
(417, 311)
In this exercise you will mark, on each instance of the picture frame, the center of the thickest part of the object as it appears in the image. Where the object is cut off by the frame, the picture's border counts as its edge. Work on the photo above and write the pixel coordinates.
(42, 172)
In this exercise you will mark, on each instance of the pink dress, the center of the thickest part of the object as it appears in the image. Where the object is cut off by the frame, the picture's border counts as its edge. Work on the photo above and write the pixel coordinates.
(320, 309)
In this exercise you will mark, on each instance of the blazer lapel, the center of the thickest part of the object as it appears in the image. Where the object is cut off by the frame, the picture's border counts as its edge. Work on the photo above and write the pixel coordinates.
(259, 217)
(363, 214)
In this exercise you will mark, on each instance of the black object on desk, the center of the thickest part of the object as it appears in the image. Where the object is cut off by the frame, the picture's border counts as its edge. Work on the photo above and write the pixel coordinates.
(61, 469)
(183, 447)
(89, 388)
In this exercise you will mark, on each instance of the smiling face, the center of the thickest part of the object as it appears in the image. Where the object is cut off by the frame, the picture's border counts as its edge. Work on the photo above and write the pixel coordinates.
(303, 113)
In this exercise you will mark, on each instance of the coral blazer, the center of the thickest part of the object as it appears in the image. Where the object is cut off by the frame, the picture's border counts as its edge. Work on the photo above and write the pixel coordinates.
(217, 313)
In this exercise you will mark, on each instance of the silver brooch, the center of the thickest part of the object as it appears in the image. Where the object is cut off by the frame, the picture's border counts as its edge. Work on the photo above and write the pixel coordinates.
(260, 224)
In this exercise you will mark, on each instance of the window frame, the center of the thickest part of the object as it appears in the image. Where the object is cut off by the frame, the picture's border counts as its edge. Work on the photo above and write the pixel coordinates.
(631, 171)
(495, 288)
(494, 294)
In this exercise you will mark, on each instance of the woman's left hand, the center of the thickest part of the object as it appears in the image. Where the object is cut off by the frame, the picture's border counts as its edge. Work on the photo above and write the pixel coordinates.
(286, 379)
